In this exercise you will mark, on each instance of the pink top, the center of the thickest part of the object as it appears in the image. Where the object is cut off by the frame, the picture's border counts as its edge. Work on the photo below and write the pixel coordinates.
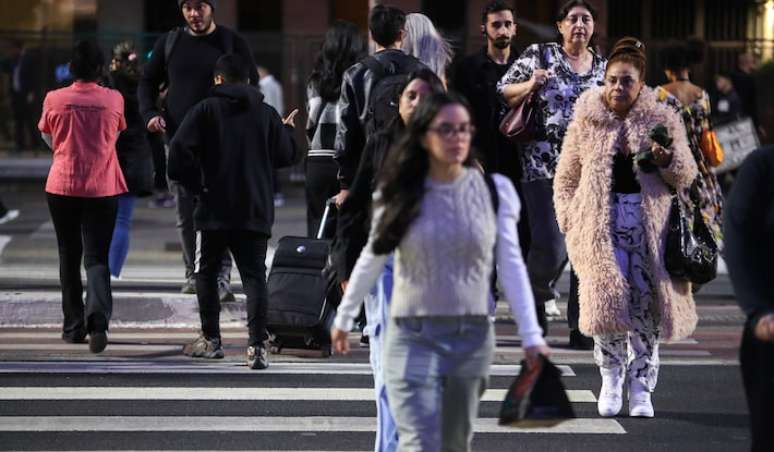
(84, 120)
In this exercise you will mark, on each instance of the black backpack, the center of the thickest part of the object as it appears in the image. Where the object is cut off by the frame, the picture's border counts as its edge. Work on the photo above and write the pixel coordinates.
(384, 97)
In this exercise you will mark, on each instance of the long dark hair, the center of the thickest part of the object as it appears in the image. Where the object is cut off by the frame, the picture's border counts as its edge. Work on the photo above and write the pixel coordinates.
(564, 10)
(402, 183)
(343, 47)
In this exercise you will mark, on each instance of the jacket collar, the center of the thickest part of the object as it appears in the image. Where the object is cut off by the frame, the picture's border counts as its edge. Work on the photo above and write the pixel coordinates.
(591, 106)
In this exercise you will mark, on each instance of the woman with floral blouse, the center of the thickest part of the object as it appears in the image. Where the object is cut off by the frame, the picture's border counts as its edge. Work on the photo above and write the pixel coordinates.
(557, 74)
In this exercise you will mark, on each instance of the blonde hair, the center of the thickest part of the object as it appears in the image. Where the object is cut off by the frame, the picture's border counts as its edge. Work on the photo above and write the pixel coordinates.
(423, 42)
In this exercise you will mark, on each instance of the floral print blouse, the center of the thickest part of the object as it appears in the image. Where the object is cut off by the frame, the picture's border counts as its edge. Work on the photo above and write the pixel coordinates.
(556, 101)
(705, 190)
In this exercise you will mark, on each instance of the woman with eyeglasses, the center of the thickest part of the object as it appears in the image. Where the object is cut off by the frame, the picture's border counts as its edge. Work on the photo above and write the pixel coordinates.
(555, 74)
(614, 214)
(436, 212)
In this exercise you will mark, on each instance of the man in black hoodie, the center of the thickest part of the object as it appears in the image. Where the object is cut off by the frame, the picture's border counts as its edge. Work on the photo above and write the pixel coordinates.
(224, 153)
(182, 60)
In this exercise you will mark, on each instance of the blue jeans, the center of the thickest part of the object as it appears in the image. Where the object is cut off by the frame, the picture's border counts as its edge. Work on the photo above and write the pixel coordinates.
(119, 246)
(436, 369)
(378, 314)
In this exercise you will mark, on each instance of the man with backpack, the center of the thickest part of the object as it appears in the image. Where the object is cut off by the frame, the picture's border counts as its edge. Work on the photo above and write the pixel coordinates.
(369, 91)
(224, 154)
(183, 61)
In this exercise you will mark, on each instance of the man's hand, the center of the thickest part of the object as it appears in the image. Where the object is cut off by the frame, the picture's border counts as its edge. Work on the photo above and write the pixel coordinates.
(157, 125)
(340, 197)
(290, 120)
(532, 354)
(764, 329)
(340, 341)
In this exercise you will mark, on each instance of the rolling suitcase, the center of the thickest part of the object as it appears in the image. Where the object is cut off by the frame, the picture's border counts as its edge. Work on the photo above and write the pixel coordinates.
(303, 295)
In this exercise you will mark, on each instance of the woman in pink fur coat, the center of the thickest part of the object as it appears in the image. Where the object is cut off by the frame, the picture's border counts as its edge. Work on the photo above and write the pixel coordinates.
(614, 216)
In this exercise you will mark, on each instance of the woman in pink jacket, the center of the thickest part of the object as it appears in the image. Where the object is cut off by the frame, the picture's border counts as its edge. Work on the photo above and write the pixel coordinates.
(614, 216)
(81, 124)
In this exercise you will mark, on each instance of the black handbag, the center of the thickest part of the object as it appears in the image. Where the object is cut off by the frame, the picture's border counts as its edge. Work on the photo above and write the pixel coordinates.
(536, 398)
(691, 251)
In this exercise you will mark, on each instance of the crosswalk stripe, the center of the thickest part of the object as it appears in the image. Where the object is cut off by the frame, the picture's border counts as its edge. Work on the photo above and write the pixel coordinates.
(221, 394)
(264, 424)
(191, 367)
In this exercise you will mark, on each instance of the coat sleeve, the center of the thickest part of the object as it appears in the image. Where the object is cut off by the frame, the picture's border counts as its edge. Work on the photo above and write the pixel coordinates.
(350, 137)
(745, 236)
(511, 267)
(282, 140)
(153, 75)
(184, 164)
(681, 172)
(568, 172)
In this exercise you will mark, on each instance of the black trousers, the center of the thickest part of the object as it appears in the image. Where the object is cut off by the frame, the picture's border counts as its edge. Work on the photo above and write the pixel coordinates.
(321, 185)
(84, 228)
(573, 306)
(757, 359)
(249, 251)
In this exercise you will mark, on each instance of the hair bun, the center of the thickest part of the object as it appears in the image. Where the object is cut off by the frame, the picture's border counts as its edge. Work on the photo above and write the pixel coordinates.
(630, 50)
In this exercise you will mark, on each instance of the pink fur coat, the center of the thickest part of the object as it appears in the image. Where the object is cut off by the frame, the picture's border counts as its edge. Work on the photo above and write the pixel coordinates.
(582, 198)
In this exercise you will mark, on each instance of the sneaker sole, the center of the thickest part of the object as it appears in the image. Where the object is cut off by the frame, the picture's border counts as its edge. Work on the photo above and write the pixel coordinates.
(98, 341)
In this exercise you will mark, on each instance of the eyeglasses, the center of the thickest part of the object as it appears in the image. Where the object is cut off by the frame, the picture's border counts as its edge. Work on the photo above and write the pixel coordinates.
(447, 130)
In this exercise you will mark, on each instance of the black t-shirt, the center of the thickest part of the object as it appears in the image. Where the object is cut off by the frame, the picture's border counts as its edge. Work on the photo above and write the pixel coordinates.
(624, 180)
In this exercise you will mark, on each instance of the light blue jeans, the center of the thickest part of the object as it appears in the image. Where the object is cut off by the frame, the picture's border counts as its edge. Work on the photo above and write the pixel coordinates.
(119, 245)
(377, 314)
(436, 369)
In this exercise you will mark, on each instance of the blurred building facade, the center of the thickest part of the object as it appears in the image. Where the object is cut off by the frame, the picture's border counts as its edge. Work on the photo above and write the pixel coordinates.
(285, 34)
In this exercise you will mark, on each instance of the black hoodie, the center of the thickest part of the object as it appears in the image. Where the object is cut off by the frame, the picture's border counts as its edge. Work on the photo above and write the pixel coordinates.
(225, 151)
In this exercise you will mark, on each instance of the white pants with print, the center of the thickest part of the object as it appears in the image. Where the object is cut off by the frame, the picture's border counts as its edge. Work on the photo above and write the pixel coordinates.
(635, 352)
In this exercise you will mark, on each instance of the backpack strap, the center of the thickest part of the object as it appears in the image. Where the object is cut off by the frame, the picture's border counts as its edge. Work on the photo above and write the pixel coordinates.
(169, 45)
(490, 184)
(376, 67)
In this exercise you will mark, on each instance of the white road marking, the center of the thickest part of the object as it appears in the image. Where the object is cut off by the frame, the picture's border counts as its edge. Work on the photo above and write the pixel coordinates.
(225, 394)
(191, 367)
(264, 424)
(4, 240)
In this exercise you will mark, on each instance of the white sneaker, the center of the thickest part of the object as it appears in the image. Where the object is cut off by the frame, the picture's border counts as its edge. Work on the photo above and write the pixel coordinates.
(639, 401)
(9, 216)
(552, 310)
(610, 399)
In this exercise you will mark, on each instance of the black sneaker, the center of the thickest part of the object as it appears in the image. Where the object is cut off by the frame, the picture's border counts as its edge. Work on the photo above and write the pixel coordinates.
(257, 358)
(580, 342)
(98, 341)
(364, 341)
(76, 338)
(204, 348)
(189, 287)
(225, 295)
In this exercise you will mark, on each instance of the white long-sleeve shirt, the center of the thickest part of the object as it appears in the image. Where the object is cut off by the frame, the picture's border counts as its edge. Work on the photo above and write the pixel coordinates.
(443, 265)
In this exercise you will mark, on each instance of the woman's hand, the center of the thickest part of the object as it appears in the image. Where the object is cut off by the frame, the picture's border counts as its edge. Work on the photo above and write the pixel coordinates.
(290, 120)
(340, 341)
(532, 354)
(764, 329)
(539, 78)
(662, 157)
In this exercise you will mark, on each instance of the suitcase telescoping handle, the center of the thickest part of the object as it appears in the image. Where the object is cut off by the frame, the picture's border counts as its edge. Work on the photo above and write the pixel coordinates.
(328, 204)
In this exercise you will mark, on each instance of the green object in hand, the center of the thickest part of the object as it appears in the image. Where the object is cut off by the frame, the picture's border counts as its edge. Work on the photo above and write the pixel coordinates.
(660, 135)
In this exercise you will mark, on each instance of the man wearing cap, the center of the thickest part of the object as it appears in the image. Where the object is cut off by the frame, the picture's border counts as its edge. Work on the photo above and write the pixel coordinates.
(183, 60)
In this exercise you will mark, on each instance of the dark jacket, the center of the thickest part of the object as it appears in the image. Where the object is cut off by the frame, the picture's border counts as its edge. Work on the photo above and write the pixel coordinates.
(188, 74)
(745, 87)
(356, 88)
(748, 229)
(725, 107)
(225, 151)
(476, 78)
(354, 217)
(132, 147)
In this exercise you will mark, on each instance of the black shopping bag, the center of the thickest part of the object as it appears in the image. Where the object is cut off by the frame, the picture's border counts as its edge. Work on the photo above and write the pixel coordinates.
(536, 398)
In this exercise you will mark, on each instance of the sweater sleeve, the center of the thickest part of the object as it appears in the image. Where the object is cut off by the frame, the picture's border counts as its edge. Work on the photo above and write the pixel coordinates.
(184, 162)
(153, 75)
(510, 265)
(365, 274)
(682, 170)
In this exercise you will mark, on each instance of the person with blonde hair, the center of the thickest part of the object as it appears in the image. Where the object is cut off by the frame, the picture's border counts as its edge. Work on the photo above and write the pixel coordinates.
(426, 44)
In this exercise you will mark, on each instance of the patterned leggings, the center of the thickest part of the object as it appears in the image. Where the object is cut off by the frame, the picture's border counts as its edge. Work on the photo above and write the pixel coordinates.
(640, 361)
